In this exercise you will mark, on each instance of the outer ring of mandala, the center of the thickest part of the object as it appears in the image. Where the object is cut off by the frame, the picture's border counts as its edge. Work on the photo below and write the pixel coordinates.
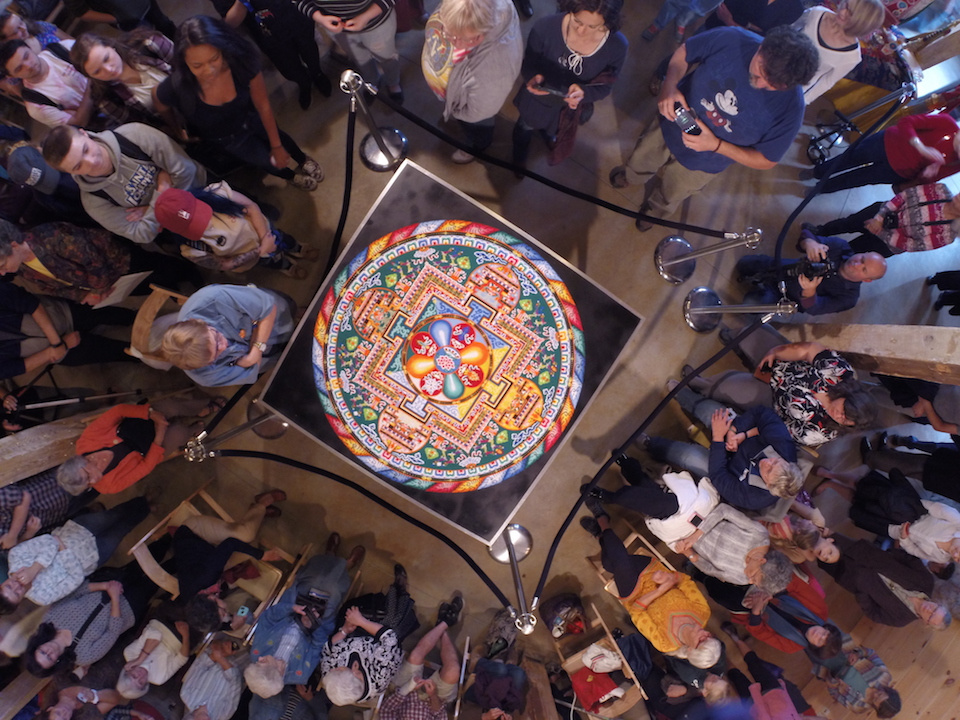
(363, 273)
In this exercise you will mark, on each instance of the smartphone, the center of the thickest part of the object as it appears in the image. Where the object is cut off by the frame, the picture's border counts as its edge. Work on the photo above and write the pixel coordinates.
(552, 90)
(686, 120)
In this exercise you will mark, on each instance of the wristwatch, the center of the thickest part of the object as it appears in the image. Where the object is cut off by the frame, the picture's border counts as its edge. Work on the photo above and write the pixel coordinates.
(261, 346)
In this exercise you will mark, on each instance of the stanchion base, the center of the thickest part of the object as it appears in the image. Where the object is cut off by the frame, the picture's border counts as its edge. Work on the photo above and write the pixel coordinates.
(674, 247)
(702, 297)
(271, 428)
(373, 157)
(522, 544)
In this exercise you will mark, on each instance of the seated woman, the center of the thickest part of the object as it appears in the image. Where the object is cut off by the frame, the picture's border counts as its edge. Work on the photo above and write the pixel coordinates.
(814, 390)
(919, 218)
(802, 540)
(82, 264)
(229, 334)
(153, 658)
(38, 331)
(666, 607)
(360, 659)
(127, 442)
(217, 87)
(71, 699)
(124, 71)
(80, 629)
(223, 229)
(578, 54)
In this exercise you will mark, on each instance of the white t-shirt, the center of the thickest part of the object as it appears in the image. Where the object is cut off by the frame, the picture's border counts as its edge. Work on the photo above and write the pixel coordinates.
(834, 64)
(64, 84)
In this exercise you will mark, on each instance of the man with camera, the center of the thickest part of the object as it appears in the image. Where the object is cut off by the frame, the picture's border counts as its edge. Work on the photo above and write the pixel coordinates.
(826, 280)
(746, 90)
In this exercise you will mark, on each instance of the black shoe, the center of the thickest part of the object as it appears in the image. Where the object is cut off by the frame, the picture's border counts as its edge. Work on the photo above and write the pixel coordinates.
(931, 280)
(644, 225)
(940, 302)
(322, 83)
(596, 492)
(450, 612)
(586, 112)
(729, 628)
(400, 577)
(595, 506)
(726, 335)
(686, 371)
(617, 633)
(618, 177)
(591, 525)
(306, 96)
(397, 96)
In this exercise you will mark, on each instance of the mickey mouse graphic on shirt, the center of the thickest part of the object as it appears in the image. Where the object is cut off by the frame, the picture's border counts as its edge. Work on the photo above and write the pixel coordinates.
(723, 107)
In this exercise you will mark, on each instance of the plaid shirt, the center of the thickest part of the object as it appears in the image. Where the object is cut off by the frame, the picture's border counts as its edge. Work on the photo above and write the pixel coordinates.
(48, 501)
(410, 707)
(864, 670)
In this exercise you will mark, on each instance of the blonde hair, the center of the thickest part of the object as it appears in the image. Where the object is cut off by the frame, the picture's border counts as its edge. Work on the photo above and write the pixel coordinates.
(787, 480)
(804, 536)
(866, 17)
(719, 692)
(460, 16)
(186, 344)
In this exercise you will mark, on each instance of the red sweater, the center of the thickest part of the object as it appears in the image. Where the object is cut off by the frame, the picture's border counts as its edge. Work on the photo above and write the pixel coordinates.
(936, 131)
(102, 435)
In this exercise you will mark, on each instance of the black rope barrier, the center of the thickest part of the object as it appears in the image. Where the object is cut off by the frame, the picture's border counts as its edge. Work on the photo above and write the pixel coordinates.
(347, 189)
(586, 197)
(379, 501)
(234, 399)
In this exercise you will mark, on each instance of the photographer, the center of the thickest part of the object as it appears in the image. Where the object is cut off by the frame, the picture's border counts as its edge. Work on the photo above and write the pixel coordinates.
(827, 280)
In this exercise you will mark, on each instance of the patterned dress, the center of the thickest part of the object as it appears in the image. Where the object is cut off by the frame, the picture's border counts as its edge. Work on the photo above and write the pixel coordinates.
(379, 658)
(794, 386)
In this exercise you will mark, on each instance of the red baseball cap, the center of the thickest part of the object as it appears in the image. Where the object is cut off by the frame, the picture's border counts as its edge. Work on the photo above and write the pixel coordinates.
(180, 212)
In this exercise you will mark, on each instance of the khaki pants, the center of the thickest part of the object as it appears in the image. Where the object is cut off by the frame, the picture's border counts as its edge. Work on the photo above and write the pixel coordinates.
(651, 157)
(215, 529)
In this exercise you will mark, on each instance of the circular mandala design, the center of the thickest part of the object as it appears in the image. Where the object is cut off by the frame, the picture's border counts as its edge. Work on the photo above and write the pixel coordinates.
(448, 356)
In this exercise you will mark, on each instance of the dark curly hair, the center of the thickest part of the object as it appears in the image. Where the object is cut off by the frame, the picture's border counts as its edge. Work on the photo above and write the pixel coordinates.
(789, 57)
(64, 664)
(202, 614)
(891, 706)
(609, 10)
(859, 407)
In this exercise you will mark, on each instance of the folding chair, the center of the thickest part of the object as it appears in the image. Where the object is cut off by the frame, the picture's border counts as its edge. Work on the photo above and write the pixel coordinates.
(148, 328)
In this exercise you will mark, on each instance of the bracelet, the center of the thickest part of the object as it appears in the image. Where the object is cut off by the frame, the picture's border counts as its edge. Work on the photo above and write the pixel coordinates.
(719, 143)
(261, 346)
(59, 344)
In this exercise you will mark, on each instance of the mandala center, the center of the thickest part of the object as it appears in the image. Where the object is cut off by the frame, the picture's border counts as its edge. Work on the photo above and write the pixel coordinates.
(448, 360)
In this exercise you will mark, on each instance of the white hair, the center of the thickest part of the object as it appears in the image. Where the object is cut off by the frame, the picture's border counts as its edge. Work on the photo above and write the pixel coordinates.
(342, 686)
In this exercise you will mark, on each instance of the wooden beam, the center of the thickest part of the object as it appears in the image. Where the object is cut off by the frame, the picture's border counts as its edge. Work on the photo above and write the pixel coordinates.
(40, 448)
(916, 351)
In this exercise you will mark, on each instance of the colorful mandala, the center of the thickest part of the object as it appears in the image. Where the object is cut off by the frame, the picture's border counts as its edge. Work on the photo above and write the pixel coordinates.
(448, 356)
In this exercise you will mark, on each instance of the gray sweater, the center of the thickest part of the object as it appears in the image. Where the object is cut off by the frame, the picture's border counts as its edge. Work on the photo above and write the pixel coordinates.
(133, 182)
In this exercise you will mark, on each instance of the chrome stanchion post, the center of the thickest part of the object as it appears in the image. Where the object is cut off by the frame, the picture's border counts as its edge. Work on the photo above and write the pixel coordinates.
(383, 148)
(263, 422)
(676, 259)
(511, 547)
(702, 309)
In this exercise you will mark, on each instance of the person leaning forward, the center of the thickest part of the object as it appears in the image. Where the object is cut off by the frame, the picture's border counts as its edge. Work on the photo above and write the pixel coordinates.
(747, 92)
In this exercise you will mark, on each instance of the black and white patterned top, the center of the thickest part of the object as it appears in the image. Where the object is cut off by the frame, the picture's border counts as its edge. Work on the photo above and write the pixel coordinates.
(794, 385)
(379, 657)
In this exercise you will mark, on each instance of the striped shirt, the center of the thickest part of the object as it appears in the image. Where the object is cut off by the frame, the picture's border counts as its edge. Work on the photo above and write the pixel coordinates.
(206, 683)
(346, 9)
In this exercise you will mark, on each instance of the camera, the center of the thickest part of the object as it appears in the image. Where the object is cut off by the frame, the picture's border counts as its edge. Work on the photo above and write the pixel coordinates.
(686, 120)
(811, 269)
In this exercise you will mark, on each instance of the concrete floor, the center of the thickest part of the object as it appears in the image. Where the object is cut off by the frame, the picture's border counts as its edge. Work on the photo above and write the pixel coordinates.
(605, 246)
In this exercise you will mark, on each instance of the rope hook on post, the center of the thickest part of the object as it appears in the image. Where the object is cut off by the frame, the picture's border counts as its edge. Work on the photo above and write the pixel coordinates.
(676, 259)
(262, 421)
(384, 148)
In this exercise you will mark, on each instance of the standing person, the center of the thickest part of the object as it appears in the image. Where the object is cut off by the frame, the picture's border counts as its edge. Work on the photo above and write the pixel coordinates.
(578, 52)
(749, 91)
(125, 14)
(919, 218)
(948, 282)
(918, 149)
(124, 71)
(471, 56)
(367, 31)
(836, 36)
(759, 17)
(217, 87)
(283, 37)
(120, 172)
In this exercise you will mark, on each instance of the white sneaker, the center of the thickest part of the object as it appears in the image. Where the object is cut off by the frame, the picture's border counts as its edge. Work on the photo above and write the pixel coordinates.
(461, 157)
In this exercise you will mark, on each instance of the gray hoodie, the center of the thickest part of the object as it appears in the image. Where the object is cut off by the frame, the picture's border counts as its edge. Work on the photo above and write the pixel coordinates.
(133, 182)
(480, 83)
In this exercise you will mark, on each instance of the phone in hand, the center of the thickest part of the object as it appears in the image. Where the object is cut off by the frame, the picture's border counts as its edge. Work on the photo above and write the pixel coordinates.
(552, 90)
(686, 120)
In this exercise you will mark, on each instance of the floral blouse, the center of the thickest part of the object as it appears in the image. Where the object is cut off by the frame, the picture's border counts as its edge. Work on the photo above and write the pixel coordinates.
(794, 385)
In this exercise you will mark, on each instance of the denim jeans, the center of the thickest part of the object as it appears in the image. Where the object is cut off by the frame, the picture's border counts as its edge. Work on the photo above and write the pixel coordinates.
(687, 456)
(109, 527)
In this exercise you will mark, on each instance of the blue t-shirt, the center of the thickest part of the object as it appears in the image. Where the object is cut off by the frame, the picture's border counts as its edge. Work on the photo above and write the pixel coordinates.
(719, 92)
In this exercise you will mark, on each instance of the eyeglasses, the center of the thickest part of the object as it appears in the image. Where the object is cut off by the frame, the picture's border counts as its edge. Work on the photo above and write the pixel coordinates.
(463, 41)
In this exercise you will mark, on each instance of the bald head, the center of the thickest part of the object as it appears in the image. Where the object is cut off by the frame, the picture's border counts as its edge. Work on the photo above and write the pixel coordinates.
(864, 267)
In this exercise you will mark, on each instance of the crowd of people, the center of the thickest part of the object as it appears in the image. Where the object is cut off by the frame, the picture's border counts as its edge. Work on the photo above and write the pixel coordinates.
(139, 130)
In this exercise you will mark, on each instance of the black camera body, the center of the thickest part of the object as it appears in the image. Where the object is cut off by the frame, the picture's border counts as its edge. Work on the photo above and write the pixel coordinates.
(812, 269)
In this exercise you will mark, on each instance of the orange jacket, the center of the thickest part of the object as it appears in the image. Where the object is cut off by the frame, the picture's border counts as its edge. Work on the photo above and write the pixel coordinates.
(102, 435)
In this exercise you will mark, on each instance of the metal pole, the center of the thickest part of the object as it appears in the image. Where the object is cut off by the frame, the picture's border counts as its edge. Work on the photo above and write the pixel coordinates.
(527, 621)
(781, 308)
(390, 157)
(750, 239)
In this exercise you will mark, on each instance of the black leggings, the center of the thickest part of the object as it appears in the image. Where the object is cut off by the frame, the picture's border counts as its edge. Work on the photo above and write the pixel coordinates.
(253, 148)
(626, 568)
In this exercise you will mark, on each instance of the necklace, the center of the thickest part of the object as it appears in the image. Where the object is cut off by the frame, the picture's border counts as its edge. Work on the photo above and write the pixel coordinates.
(574, 61)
